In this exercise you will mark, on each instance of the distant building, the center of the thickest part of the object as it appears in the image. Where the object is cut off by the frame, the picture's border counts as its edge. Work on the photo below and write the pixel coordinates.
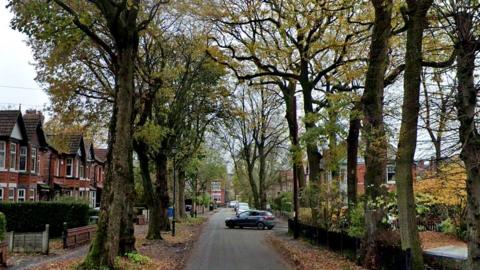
(217, 192)
(283, 183)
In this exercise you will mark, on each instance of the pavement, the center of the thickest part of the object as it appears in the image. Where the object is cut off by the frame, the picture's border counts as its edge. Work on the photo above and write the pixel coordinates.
(29, 262)
(453, 252)
(235, 249)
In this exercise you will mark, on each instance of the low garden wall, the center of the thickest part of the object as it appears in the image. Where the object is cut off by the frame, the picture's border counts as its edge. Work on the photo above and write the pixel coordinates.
(75, 237)
(29, 241)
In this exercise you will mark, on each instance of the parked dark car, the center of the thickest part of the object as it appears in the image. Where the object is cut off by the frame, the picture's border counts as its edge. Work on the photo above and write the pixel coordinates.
(252, 218)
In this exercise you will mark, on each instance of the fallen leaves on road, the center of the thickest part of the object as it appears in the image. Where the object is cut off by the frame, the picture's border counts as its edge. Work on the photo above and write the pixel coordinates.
(306, 256)
(438, 239)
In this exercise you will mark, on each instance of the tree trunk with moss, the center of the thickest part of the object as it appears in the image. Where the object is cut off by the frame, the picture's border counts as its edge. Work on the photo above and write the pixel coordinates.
(352, 156)
(466, 103)
(292, 121)
(416, 23)
(374, 129)
(181, 213)
(161, 190)
(148, 192)
(115, 228)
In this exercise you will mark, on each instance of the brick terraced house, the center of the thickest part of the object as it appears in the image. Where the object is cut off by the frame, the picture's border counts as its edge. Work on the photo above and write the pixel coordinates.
(35, 167)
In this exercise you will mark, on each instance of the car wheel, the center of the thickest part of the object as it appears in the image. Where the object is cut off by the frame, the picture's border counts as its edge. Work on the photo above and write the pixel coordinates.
(270, 227)
(260, 226)
(241, 227)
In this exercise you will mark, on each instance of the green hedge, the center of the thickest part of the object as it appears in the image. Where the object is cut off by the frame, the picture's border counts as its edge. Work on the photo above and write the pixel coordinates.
(3, 226)
(32, 216)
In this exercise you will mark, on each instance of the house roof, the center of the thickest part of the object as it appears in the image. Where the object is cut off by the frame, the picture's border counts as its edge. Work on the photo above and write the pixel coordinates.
(101, 154)
(8, 119)
(67, 143)
(33, 124)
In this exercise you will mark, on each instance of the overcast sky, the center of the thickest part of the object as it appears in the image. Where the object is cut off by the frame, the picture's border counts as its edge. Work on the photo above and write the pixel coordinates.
(17, 74)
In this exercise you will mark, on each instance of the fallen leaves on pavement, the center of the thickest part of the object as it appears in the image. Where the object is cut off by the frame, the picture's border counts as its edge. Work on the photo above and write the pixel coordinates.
(306, 256)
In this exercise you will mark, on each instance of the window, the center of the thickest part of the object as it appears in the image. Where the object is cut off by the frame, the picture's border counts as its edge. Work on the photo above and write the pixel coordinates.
(11, 194)
(21, 195)
(57, 167)
(32, 194)
(82, 172)
(82, 194)
(68, 193)
(244, 214)
(69, 170)
(390, 173)
(2, 155)
(23, 159)
(33, 168)
(76, 168)
(13, 156)
(1, 194)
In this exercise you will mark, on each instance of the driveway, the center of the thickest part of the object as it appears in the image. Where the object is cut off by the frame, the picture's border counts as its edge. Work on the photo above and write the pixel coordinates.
(237, 249)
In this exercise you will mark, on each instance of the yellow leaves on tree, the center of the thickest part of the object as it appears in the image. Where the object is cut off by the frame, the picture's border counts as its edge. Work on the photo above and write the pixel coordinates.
(447, 186)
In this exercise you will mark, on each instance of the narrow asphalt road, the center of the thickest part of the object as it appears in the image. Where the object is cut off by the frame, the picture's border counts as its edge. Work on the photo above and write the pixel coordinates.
(235, 249)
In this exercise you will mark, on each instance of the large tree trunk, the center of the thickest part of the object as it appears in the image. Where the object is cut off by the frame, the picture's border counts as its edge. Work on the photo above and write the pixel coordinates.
(352, 156)
(253, 186)
(408, 132)
(261, 176)
(333, 160)
(115, 228)
(313, 155)
(161, 190)
(180, 207)
(150, 197)
(292, 121)
(466, 103)
(374, 130)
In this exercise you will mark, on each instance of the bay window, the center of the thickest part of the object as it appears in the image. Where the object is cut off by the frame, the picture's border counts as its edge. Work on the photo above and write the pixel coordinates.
(34, 160)
(23, 159)
(13, 156)
(69, 170)
(2, 155)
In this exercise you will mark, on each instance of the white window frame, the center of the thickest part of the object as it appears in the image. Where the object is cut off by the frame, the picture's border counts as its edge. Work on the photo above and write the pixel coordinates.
(1, 194)
(82, 171)
(391, 167)
(23, 155)
(13, 156)
(31, 194)
(33, 167)
(21, 198)
(71, 167)
(11, 198)
(57, 167)
(77, 162)
(3, 156)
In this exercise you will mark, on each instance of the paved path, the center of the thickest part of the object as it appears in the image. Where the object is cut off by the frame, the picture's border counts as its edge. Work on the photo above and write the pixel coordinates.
(453, 252)
(236, 249)
(38, 261)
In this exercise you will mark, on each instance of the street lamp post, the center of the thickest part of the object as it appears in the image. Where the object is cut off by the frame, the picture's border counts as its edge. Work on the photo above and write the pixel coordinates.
(174, 191)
